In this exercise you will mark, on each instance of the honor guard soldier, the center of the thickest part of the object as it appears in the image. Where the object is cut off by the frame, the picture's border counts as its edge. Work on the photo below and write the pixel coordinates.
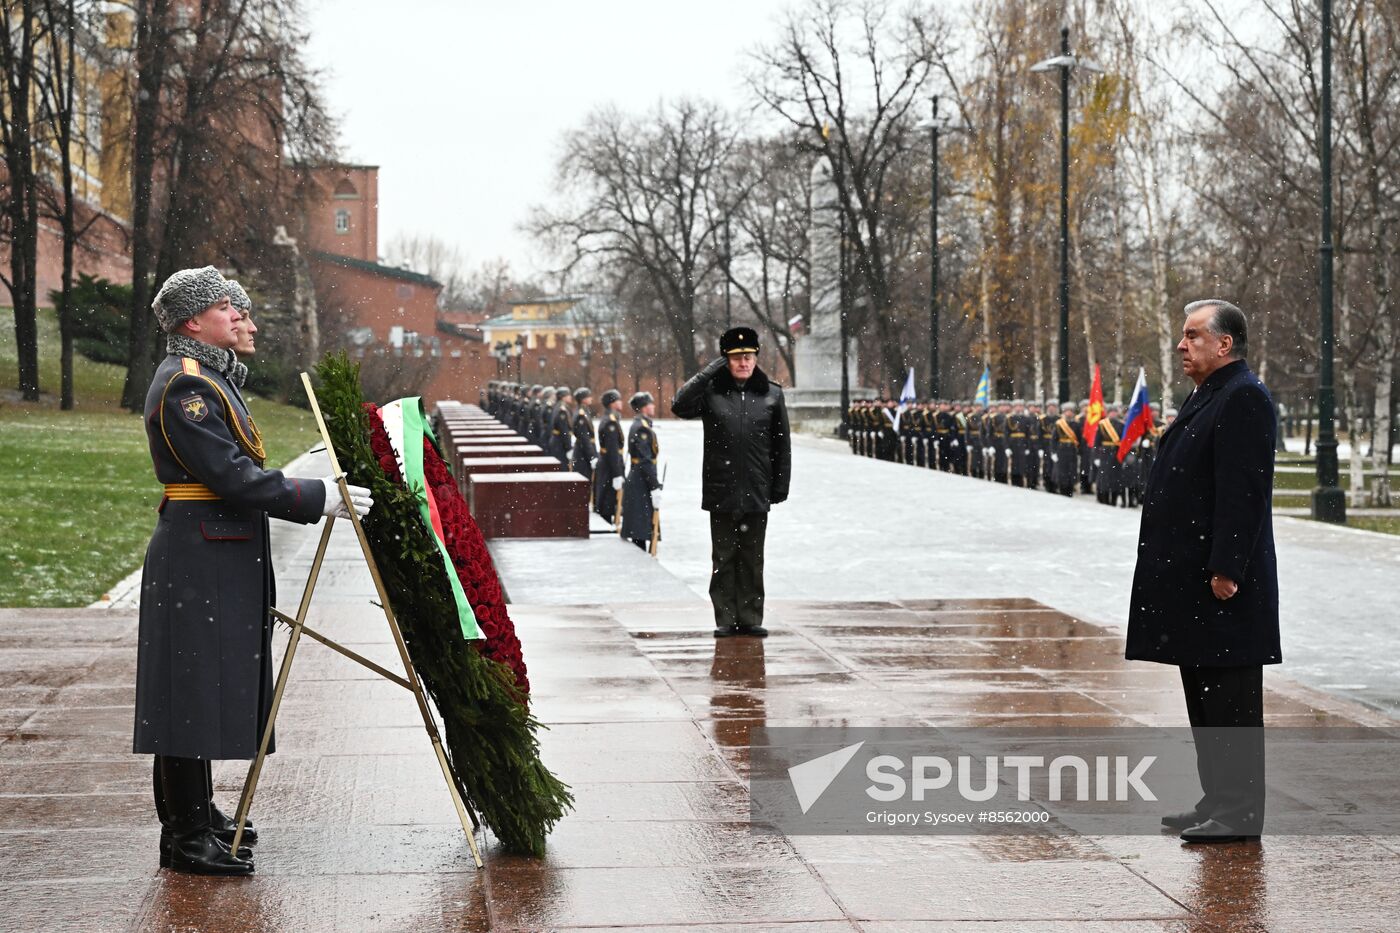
(561, 428)
(1146, 454)
(1018, 459)
(203, 663)
(641, 493)
(1086, 450)
(887, 439)
(1064, 456)
(529, 412)
(1001, 443)
(612, 466)
(1050, 414)
(1110, 471)
(585, 450)
(945, 435)
(972, 431)
(1031, 422)
(908, 433)
(746, 471)
(928, 431)
(544, 418)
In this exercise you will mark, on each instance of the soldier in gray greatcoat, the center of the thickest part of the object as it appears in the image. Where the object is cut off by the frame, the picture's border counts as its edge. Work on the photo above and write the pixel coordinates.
(585, 449)
(203, 665)
(641, 493)
(612, 465)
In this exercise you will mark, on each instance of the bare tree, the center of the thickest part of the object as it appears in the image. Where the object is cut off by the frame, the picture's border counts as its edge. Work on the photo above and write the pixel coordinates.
(25, 31)
(766, 250)
(648, 202)
(235, 99)
(845, 76)
(433, 257)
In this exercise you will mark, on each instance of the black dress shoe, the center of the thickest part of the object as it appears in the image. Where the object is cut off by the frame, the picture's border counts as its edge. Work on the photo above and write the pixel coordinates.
(225, 826)
(165, 846)
(756, 631)
(1215, 831)
(1184, 820)
(725, 631)
(201, 854)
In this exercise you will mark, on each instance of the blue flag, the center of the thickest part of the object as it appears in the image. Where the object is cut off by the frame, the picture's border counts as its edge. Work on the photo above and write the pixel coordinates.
(984, 388)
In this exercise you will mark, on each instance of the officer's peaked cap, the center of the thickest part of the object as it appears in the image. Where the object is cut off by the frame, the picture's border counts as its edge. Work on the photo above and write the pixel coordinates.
(739, 340)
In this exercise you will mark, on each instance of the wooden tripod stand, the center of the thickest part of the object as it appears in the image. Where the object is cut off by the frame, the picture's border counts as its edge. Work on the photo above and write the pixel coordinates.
(297, 624)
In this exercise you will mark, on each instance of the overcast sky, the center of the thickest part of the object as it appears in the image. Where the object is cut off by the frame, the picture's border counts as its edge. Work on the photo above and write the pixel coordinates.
(462, 103)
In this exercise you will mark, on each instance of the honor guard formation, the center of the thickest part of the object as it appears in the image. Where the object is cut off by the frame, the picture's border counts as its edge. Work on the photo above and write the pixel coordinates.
(1033, 445)
(560, 420)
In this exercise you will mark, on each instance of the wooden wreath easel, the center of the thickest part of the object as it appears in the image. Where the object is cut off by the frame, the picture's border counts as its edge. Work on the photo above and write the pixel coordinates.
(298, 626)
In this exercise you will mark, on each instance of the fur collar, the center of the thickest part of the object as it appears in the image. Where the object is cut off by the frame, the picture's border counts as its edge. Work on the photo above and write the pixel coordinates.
(757, 384)
(220, 360)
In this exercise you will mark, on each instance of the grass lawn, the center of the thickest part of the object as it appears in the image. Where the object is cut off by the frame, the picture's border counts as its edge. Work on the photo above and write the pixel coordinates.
(77, 495)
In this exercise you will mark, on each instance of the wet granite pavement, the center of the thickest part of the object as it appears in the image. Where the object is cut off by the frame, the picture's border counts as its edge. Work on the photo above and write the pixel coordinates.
(648, 721)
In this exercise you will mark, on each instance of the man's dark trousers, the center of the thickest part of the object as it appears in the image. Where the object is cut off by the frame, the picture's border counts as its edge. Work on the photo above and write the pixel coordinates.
(736, 556)
(1226, 709)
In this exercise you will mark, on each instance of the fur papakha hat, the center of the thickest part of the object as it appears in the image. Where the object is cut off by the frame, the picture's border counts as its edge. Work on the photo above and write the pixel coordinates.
(239, 297)
(187, 293)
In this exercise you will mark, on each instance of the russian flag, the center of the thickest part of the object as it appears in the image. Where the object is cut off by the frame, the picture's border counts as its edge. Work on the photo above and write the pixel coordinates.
(1138, 421)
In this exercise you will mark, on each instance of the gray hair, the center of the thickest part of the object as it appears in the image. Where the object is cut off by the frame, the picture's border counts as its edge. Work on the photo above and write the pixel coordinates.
(1228, 320)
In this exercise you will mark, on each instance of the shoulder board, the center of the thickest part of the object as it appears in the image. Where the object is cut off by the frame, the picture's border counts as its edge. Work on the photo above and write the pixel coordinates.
(190, 366)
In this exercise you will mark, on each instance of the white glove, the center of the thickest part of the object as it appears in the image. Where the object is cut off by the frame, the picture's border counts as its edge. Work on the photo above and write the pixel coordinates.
(956, 444)
(617, 484)
(1054, 458)
(656, 498)
(335, 505)
(593, 464)
(1007, 451)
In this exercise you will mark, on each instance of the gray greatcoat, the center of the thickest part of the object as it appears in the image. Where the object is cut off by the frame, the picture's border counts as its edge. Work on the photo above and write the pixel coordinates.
(203, 663)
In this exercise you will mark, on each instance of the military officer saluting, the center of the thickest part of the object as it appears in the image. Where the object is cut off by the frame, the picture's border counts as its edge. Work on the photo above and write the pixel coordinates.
(641, 493)
(585, 450)
(612, 467)
(203, 666)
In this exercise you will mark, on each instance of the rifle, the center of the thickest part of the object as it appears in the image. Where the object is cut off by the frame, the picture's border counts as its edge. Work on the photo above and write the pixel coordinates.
(656, 515)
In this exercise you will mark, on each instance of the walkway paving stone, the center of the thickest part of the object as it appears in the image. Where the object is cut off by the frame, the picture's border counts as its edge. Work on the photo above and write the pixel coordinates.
(649, 719)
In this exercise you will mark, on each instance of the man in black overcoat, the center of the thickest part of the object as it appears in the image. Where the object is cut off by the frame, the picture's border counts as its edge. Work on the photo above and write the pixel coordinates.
(203, 663)
(746, 471)
(1205, 592)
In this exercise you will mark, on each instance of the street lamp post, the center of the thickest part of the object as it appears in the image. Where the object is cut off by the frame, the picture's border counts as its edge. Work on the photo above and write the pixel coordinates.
(933, 387)
(935, 129)
(1328, 502)
(1065, 62)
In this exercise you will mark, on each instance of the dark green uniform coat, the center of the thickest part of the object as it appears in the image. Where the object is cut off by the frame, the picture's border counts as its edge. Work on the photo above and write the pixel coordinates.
(203, 661)
(581, 461)
(610, 465)
(643, 449)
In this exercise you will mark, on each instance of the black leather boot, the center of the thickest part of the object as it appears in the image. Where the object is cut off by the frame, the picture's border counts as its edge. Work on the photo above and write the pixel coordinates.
(193, 846)
(224, 826)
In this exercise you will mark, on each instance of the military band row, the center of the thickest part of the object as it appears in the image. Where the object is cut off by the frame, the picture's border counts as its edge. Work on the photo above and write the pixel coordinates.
(1020, 443)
